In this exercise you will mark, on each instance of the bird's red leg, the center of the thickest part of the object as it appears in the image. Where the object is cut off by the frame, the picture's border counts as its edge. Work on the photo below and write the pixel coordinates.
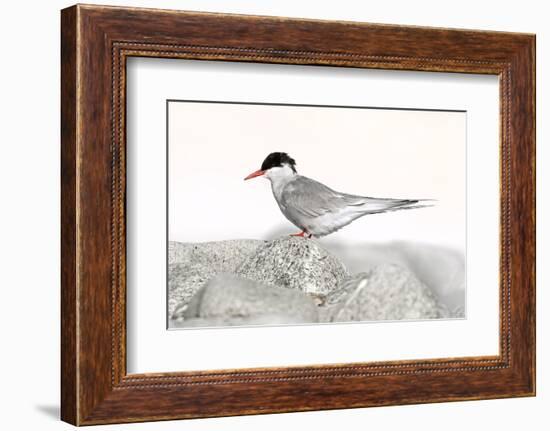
(303, 234)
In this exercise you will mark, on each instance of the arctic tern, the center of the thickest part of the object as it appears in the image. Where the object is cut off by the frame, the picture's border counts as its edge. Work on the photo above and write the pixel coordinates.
(315, 208)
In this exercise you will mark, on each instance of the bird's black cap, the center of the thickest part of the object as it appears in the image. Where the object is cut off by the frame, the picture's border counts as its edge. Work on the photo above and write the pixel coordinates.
(277, 160)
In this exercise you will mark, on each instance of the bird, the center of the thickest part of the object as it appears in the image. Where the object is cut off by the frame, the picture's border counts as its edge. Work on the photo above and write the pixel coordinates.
(316, 209)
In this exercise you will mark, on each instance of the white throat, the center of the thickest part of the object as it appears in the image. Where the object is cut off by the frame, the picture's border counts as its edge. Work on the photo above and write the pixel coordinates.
(280, 177)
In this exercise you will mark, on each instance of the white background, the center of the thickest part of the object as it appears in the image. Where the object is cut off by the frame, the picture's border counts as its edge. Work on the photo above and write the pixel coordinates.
(29, 220)
(369, 152)
(411, 148)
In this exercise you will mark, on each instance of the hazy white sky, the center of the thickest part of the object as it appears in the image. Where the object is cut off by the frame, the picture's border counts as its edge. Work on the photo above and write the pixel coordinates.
(371, 152)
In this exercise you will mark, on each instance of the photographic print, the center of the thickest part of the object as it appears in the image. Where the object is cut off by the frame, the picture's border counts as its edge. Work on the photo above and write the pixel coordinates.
(283, 214)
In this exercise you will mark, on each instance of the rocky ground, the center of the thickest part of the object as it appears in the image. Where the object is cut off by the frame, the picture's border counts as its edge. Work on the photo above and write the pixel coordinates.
(294, 280)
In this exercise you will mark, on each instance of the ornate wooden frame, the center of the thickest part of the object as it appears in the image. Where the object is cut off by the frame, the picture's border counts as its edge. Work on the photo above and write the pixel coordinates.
(95, 42)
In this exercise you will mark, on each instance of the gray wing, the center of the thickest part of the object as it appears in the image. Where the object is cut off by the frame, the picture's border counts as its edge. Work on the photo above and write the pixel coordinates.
(312, 199)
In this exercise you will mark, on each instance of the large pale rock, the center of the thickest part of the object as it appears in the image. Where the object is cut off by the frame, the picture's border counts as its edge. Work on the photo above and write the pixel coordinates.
(394, 283)
(440, 268)
(295, 263)
(190, 266)
(225, 256)
(230, 300)
(184, 280)
(227, 321)
(386, 292)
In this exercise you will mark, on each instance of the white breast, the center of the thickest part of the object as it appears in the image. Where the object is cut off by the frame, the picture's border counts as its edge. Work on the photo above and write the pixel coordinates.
(280, 177)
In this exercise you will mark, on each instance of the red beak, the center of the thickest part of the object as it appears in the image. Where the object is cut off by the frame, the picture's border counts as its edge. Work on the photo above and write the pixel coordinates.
(255, 174)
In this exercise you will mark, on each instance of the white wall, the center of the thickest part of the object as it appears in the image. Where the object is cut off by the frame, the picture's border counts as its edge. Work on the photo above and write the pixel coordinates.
(29, 216)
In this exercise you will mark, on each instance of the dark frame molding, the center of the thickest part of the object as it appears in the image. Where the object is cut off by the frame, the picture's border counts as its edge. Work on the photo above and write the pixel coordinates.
(95, 43)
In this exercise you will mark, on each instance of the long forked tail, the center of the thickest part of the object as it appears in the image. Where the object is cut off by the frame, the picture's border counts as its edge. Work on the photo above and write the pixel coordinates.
(375, 206)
